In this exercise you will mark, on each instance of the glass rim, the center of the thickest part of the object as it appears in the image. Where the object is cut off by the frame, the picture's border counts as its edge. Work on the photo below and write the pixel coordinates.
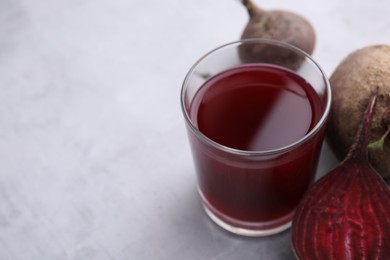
(282, 149)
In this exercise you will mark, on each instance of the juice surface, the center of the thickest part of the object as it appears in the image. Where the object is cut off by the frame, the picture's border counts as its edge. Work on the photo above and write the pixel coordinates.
(256, 108)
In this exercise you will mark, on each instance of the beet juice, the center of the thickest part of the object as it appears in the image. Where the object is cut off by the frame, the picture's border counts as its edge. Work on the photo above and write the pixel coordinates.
(250, 111)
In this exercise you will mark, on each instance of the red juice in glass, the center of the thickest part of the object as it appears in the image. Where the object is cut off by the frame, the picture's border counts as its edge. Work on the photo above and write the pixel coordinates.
(255, 108)
(256, 131)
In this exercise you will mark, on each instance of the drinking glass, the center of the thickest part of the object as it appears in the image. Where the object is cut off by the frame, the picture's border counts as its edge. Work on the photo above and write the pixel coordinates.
(245, 191)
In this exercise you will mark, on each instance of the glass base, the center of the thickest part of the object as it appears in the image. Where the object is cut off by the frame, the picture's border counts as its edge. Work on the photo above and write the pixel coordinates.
(249, 229)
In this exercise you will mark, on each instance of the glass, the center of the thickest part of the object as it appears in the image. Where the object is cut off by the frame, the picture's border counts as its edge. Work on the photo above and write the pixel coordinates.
(253, 191)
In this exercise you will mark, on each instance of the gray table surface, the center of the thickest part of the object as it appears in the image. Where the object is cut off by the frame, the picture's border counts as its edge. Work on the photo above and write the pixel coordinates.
(94, 159)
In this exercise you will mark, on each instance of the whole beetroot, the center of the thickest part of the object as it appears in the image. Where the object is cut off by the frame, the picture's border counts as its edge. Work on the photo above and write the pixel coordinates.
(280, 25)
(352, 84)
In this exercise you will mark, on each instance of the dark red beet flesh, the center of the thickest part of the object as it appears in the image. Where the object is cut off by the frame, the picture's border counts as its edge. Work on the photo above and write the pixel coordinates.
(346, 214)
